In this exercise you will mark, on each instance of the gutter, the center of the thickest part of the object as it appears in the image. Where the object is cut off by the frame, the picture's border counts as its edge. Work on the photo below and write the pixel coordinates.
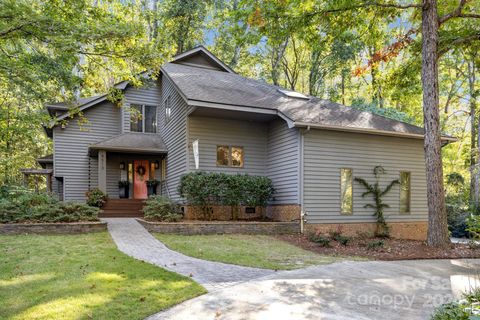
(303, 214)
(368, 131)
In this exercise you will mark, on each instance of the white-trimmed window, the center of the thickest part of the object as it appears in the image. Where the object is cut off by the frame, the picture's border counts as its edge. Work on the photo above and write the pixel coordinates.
(168, 109)
(346, 191)
(143, 118)
(405, 194)
(230, 156)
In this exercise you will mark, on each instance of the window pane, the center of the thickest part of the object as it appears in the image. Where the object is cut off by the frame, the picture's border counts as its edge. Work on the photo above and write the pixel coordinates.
(136, 118)
(150, 119)
(168, 109)
(222, 155)
(130, 172)
(152, 170)
(237, 156)
(346, 191)
(404, 192)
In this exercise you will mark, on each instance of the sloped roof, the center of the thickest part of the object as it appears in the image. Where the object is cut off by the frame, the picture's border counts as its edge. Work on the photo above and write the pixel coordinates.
(132, 142)
(46, 159)
(204, 85)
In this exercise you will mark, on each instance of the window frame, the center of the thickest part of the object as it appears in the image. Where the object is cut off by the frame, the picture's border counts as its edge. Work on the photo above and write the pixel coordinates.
(167, 105)
(409, 205)
(143, 115)
(229, 156)
(342, 212)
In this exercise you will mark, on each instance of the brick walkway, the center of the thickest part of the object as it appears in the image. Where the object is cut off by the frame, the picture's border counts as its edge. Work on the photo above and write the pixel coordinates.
(134, 240)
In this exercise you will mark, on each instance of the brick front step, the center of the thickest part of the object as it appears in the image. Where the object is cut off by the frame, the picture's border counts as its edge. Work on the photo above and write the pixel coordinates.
(122, 208)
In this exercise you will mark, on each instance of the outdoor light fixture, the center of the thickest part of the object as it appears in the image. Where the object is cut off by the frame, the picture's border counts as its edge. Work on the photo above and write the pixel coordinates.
(122, 165)
(157, 164)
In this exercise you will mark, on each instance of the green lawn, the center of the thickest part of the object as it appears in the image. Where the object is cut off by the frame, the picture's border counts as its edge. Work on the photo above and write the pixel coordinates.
(82, 277)
(246, 250)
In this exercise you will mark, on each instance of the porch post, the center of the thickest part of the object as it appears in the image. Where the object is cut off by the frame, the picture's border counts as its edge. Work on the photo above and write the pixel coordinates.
(102, 170)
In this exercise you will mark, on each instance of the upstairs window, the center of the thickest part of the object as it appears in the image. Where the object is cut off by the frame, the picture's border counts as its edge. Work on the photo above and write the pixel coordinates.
(168, 109)
(346, 191)
(230, 156)
(143, 118)
(404, 192)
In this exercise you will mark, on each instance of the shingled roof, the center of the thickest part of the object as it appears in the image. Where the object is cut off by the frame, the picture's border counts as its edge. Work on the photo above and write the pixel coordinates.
(200, 86)
(132, 142)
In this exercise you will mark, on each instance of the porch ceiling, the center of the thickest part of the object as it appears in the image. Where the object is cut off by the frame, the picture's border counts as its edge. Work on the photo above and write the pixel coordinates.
(132, 142)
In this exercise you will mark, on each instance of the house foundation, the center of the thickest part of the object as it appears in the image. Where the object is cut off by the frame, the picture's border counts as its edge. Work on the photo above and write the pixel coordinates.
(414, 230)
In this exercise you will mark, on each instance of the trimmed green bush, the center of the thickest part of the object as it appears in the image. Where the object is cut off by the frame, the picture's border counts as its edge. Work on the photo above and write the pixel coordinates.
(26, 206)
(96, 197)
(209, 189)
(319, 238)
(466, 309)
(162, 209)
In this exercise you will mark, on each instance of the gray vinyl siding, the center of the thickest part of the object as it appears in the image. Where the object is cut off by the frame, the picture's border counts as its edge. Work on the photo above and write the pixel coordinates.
(283, 161)
(210, 132)
(326, 152)
(71, 159)
(151, 95)
(174, 135)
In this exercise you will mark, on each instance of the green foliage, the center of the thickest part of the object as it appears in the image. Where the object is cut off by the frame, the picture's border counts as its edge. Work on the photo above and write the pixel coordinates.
(466, 309)
(209, 189)
(25, 206)
(473, 226)
(152, 183)
(319, 238)
(162, 209)
(343, 240)
(378, 194)
(375, 244)
(361, 104)
(96, 197)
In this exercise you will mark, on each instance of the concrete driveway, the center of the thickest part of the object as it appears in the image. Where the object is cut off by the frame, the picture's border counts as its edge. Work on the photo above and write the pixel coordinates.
(345, 290)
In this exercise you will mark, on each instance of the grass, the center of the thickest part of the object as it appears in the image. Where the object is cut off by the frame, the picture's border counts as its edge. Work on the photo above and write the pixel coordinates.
(246, 250)
(82, 277)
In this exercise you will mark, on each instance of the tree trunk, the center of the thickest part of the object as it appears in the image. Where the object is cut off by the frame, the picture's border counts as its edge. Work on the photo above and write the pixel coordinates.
(437, 213)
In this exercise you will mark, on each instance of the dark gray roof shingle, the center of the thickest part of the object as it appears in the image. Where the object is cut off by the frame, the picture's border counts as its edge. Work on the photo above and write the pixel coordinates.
(133, 142)
(212, 86)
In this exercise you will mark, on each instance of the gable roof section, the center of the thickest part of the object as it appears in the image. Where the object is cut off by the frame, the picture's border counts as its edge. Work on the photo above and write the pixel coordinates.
(149, 143)
(203, 87)
(200, 57)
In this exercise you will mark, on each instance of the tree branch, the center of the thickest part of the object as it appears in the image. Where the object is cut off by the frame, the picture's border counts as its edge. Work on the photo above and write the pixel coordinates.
(459, 41)
(366, 5)
(457, 13)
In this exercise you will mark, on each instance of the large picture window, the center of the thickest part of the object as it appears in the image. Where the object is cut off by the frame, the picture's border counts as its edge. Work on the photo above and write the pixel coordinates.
(230, 156)
(346, 191)
(404, 192)
(143, 118)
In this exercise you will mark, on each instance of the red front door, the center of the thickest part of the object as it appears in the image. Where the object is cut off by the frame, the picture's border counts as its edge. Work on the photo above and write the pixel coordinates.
(140, 175)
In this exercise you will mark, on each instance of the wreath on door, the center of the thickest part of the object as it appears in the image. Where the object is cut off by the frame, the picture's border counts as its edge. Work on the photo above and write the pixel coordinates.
(141, 171)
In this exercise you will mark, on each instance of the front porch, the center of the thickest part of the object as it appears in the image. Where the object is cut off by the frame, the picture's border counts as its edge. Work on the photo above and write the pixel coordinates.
(128, 167)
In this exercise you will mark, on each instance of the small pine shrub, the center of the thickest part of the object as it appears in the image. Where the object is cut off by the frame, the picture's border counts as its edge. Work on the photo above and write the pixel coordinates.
(162, 209)
(96, 197)
(376, 244)
(320, 239)
(343, 240)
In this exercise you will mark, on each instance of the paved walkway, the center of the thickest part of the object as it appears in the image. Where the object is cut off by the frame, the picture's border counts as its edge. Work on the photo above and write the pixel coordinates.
(340, 291)
(133, 239)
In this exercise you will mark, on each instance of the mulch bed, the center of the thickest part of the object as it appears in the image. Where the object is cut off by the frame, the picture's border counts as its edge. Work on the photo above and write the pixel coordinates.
(392, 249)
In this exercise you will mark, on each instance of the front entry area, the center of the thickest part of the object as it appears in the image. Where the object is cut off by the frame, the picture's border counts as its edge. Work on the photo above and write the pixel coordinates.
(140, 177)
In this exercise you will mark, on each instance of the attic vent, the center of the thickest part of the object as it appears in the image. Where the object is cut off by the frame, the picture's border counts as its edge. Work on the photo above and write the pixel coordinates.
(293, 94)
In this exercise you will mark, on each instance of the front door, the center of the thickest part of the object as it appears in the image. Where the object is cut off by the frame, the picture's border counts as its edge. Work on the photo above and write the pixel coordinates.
(140, 176)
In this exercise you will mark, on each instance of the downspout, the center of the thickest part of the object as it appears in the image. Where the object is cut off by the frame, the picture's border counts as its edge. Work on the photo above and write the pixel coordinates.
(303, 213)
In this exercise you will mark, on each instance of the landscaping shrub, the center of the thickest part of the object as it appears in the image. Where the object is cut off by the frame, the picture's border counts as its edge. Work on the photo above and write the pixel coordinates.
(376, 244)
(26, 206)
(96, 197)
(210, 189)
(466, 309)
(162, 209)
(320, 239)
(473, 226)
(343, 240)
